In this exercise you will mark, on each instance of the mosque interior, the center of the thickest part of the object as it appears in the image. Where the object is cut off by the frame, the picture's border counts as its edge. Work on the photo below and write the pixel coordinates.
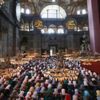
(49, 50)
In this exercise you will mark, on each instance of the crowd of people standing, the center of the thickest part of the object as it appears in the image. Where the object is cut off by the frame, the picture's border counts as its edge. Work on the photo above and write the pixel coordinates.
(30, 83)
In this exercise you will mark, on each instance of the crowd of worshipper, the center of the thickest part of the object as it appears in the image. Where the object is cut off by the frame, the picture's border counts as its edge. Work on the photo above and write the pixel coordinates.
(29, 82)
(57, 73)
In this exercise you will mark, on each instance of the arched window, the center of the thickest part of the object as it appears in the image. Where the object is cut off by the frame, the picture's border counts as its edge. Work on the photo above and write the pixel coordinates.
(53, 11)
(51, 31)
(44, 30)
(60, 30)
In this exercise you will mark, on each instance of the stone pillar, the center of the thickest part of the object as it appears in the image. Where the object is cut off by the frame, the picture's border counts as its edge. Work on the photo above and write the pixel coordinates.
(17, 41)
(94, 24)
(70, 42)
(15, 46)
(10, 39)
(37, 41)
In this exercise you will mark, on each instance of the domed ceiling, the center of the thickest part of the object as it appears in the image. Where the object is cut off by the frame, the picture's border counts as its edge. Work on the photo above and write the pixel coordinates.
(70, 6)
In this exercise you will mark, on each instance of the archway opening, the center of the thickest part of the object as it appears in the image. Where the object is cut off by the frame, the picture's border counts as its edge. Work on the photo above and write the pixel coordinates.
(54, 12)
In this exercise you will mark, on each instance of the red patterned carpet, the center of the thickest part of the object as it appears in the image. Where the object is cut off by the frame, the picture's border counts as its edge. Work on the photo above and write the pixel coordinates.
(93, 66)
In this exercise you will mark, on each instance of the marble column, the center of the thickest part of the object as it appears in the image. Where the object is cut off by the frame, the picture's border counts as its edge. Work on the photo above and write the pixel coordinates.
(94, 24)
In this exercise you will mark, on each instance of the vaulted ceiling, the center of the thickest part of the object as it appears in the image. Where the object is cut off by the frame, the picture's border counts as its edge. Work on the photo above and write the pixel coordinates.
(70, 6)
